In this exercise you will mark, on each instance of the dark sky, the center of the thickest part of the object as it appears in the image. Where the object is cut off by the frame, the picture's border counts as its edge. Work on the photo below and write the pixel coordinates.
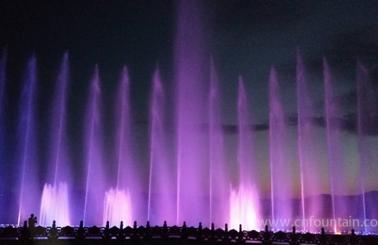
(245, 37)
(136, 33)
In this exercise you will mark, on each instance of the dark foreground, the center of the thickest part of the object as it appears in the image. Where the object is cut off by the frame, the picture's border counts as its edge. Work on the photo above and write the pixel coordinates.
(168, 235)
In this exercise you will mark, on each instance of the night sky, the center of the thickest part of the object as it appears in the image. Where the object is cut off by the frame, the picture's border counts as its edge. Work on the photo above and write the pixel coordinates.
(245, 37)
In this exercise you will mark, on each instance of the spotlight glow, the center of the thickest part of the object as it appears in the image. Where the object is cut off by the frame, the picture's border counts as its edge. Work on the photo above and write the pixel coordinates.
(54, 205)
(117, 207)
(244, 208)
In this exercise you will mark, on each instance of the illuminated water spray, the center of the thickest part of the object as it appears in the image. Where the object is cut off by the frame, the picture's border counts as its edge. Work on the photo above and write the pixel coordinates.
(117, 207)
(3, 59)
(308, 154)
(282, 176)
(55, 200)
(118, 201)
(244, 200)
(29, 190)
(54, 205)
(218, 179)
(244, 208)
(334, 146)
(162, 185)
(95, 181)
(190, 116)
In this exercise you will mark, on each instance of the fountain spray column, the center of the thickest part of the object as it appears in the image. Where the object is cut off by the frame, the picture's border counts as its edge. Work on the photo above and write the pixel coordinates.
(3, 65)
(162, 187)
(219, 182)
(94, 188)
(366, 107)
(29, 190)
(303, 105)
(3, 171)
(244, 199)
(310, 171)
(55, 200)
(191, 116)
(335, 159)
(121, 202)
(281, 169)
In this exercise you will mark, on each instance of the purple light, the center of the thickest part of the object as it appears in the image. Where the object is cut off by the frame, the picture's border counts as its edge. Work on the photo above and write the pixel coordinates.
(191, 115)
(162, 184)
(55, 199)
(282, 170)
(117, 207)
(95, 182)
(29, 191)
(244, 208)
(55, 205)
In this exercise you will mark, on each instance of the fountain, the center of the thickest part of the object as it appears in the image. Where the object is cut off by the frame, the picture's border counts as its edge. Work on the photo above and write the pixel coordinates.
(117, 207)
(118, 202)
(244, 200)
(55, 205)
(282, 170)
(308, 153)
(55, 200)
(95, 180)
(218, 179)
(366, 106)
(244, 208)
(29, 191)
(335, 158)
(190, 173)
(161, 201)
(191, 157)
(2, 122)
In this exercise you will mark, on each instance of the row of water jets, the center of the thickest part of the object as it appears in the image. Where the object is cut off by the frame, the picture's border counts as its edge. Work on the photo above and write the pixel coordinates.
(190, 183)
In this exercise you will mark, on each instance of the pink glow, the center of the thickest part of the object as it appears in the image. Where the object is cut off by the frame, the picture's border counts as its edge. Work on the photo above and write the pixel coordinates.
(244, 208)
(117, 207)
(161, 201)
(54, 205)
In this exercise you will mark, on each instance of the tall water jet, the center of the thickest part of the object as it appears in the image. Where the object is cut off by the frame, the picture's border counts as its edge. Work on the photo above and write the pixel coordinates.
(55, 200)
(366, 109)
(218, 180)
(281, 169)
(244, 199)
(335, 158)
(95, 182)
(3, 64)
(303, 104)
(121, 196)
(29, 190)
(362, 130)
(2, 129)
(191, 139)
(311, 205)
(162, 187)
